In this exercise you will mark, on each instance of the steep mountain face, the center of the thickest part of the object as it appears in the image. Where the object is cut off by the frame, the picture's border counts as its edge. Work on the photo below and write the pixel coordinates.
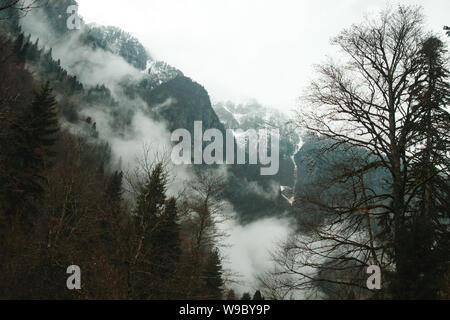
(321, 180)
(226, 116)
(123, 44)
(255, 116)
(161, 71)
(56, 11)
(120, 43)
(182, 101)
(104, 69)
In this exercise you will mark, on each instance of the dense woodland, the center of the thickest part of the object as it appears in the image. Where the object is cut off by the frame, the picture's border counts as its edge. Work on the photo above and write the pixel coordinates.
(60, 206)
(376, 192)
(376, 156)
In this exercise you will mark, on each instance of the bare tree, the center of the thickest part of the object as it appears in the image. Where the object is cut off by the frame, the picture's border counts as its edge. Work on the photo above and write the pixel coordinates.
(339, 233)
(364, 106)
(203, 208)
(205, 204)
(147, 218)
(20, 7)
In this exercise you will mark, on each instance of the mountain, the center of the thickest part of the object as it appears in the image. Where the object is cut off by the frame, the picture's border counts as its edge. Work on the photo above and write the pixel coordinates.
(253, 115)
(108, 78)
(321, 181)
(123, 44)
(120, 43)
(190, 102)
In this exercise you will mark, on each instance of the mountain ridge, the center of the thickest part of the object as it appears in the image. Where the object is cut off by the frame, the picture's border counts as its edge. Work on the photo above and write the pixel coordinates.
(84, 54)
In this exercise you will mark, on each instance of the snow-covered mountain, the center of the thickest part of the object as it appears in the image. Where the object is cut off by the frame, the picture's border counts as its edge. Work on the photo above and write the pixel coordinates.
(250, 115)
(161, 71)
(120, 43)
(255, 116)
(114, 79)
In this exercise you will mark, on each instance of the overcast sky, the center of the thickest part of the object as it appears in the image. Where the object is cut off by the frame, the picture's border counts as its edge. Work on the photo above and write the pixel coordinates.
(243, 49)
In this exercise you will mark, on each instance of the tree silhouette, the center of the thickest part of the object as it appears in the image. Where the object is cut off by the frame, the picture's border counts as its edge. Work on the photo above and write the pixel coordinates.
(213, 276)
(367, 109)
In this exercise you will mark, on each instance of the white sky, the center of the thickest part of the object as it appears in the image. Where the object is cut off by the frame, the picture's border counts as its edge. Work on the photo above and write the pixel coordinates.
(243, 49)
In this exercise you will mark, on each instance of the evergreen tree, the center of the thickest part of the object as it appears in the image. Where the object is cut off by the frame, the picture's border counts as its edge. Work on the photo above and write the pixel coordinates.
(27, 151)
(155, 225)
(168, 236)
(19, 43)
(42, 119)
(427, 237)
(166, 251)
(213, 276)
(114, 188)
(20, 48)
(258, 296)
(246, 296)
(153, 194)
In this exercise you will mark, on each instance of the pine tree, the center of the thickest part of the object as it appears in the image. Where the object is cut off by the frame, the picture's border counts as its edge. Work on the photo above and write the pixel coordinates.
(246, 296)
(427, 237)
(258, 296)
(20, 48)
(152, 242)
(153, 194)
(32, 134)
(114, 188)
(166, 251)
(168, 238)
(213, 276)
(42, 117)
(19, 43)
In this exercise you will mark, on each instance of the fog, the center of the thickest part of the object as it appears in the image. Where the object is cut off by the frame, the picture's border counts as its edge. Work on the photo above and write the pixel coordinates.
(247, 250)
(263, 49)
(97, 67)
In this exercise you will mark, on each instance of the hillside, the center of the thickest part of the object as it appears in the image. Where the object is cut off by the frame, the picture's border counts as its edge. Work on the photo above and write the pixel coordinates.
(115, 77)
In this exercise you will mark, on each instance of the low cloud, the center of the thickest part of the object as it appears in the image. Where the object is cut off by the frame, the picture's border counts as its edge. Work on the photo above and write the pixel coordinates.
(248, 253)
